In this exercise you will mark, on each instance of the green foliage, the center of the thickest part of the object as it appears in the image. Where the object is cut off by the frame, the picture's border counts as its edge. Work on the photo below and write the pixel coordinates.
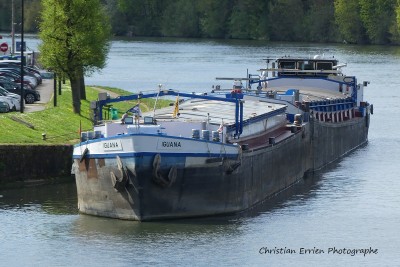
(119, 20)
(319, 17)
(398, 12)
(395, 29)
(347, 15)
(142, 17)
(181, 19)
(286, 18)
(244, 20)
(355, 21)
(75, 38)
(377, 16)
(74, 34)
(214, 17)
(31, 15)
(5, 16)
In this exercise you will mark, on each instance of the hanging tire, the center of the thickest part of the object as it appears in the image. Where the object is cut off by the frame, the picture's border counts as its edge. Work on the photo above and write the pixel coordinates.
(29, 98)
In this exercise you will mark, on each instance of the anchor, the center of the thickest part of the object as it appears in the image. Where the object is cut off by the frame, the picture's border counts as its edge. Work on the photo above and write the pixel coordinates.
(158, 178)
(122, 180)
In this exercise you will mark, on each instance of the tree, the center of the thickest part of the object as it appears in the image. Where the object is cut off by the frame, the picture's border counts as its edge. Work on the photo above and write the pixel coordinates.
(398, 12)
(377, 17)
(182, 19)
(347, 16)
(286, 20)
(214, 17)
(143, 17)
(396, 25)
(75, 38)
(320, 21)
(5, 15)
(244, 20)
(31, 15)
(118, 18)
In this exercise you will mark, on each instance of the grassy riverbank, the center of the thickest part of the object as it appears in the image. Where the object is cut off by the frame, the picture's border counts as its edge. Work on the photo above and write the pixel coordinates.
(59, 123)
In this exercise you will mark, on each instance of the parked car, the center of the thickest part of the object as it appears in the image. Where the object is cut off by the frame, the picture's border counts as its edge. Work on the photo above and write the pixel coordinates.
(15, 100)
(4, 91)
(13, 103)
(30, 95)
(17, 73)
(15, 78)
(12, 80)
(4, 107)
(35, 72)
(28, 71)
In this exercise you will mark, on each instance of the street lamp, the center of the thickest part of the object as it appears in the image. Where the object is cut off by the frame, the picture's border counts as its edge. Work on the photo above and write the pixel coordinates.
(12, 29)
(22, 56)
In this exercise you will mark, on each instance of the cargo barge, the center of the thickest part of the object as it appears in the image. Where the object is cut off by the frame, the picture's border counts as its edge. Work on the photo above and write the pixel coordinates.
(221, 152)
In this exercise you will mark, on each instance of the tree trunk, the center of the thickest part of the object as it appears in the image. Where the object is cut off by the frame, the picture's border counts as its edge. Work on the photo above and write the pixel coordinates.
(76, 96)
(82, 85)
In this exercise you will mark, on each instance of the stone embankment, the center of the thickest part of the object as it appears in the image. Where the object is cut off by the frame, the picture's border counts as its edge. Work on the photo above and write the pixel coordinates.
(32, 164)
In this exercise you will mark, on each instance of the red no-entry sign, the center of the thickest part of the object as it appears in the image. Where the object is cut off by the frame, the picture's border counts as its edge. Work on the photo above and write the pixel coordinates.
(4, 47)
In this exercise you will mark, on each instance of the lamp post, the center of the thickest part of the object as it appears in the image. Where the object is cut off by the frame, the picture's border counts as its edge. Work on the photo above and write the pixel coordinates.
(12, 29)
(22, 56)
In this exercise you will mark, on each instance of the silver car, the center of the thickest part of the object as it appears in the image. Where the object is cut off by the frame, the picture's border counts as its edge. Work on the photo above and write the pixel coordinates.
(13, 102)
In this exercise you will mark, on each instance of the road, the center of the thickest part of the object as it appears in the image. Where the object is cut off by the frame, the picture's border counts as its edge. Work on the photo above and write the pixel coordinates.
(46, 90)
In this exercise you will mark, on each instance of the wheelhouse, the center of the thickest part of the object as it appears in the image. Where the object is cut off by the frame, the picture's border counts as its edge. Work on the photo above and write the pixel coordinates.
(307, 67)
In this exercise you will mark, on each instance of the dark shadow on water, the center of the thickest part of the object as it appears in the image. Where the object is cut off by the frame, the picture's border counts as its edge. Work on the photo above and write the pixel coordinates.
(299, 193)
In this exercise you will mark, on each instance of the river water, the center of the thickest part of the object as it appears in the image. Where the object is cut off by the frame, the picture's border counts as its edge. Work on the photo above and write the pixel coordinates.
(353, 204)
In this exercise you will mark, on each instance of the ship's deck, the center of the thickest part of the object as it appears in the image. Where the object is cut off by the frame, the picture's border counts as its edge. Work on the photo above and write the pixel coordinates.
(277, 135)
(313, 93)
(216, 111)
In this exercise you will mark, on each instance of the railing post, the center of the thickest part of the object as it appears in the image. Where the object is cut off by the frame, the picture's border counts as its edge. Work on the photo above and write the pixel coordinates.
(55, 89)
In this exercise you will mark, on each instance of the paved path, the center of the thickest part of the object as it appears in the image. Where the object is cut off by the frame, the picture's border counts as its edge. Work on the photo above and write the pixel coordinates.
(46, 90)
(112, 94)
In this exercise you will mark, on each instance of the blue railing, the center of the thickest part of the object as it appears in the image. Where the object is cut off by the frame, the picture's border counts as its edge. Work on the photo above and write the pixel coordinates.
(234, 98)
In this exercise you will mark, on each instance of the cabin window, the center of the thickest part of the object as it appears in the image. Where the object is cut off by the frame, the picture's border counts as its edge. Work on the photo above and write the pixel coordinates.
(324, 65)
(288, 65)
(305, 65)
(148, 120)
(128, 120)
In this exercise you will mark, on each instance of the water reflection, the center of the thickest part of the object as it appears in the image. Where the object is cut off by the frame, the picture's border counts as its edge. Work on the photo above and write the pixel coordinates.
(52, 210)
(52, 199)
(93, 227)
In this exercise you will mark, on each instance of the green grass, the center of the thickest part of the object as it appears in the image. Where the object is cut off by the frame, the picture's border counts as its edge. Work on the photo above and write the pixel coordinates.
(59, 123)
